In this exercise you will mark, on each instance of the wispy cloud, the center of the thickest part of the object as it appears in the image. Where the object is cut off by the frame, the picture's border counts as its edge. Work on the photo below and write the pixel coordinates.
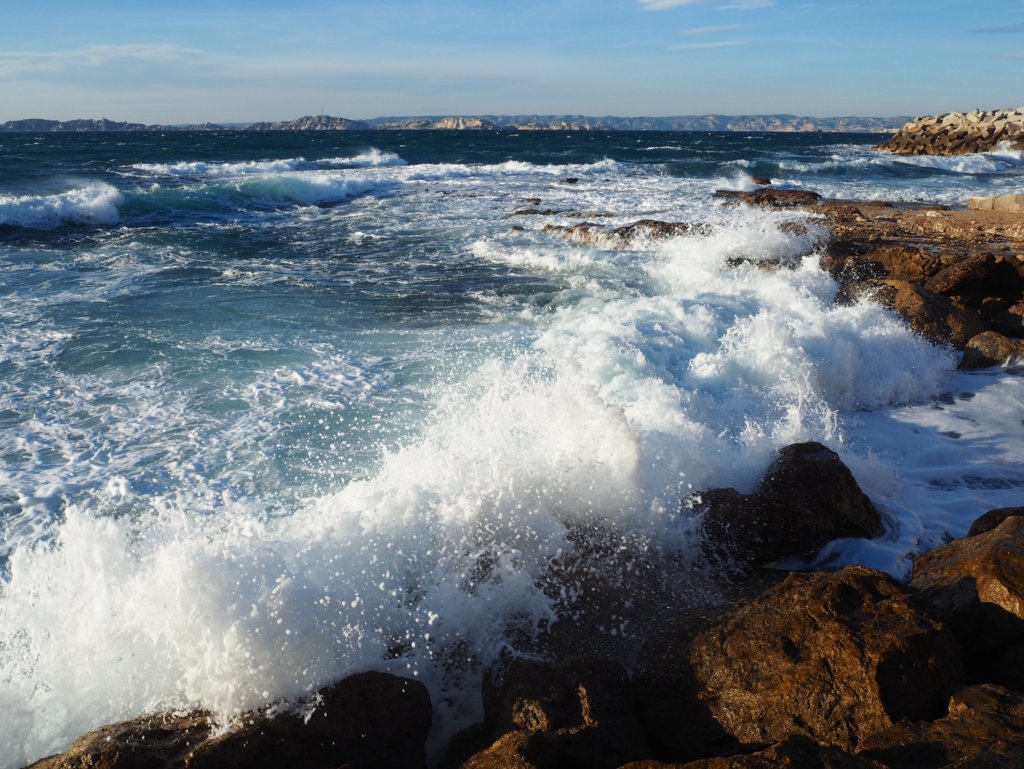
(1007, 29)
(700, 31)
(15, 64)
(712, 44)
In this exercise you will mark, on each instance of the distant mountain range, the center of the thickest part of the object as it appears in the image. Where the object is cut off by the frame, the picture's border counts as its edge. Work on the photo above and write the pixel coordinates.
(780, 123)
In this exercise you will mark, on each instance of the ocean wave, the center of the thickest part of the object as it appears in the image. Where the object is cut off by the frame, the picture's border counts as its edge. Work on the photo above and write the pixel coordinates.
(95, 203)
(371, 158)
(307, 187)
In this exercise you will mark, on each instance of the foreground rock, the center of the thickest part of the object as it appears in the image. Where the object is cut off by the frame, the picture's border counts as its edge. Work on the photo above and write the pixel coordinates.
(977, 586)
(984, 729)
(793, 753)
(371, 720)
(807, 498)
(542, 715)
(958, 133)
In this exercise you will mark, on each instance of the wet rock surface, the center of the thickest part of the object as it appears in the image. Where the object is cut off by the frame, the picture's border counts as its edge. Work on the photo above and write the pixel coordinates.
(368, 720)
(807, 498)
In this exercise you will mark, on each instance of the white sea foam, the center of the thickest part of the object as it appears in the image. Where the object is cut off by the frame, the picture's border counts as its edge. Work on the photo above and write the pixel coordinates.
(371, 158)
(95, 203)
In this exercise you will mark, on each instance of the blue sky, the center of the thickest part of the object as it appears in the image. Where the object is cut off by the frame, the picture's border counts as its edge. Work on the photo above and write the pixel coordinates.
(227, 60)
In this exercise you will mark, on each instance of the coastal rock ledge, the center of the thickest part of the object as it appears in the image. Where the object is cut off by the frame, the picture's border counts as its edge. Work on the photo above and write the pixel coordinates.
(959, 133)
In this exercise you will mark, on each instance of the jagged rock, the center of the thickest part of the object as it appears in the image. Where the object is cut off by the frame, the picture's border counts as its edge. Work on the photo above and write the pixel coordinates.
(592, 234)
(983, 728)
(939, 319)
(977, 277)
(833, 656)
(560, 714)
(371, 720)
(957, 133)
(990, 348)
(991, 519)
(770, 198)
(807, 498)
(977, 586)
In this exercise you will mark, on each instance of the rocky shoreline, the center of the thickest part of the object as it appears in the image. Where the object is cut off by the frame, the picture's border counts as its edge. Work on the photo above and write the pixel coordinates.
(959, 133)
(845, 669)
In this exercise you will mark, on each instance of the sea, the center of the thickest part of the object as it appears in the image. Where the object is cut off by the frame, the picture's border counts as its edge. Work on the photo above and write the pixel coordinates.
(279, 407)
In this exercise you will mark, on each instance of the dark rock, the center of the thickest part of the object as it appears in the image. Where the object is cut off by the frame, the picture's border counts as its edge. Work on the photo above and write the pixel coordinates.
(991, 519)
(770, 198)
(532, 201)
(977, 586)
(989, 349)
(762, 180)
(833, 656)
(982, 729)
(976, 277)
(590, 233)
(576, 713)
(570, 180)
(370, 720)
(534, 212)
(939, 319)
(795, 752)
(807, 498)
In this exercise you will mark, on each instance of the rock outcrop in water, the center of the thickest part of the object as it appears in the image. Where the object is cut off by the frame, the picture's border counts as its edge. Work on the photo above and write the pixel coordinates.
(959, 133)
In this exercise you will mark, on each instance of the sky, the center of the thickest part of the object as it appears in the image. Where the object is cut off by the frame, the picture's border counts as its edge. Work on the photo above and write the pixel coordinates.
(232, 61)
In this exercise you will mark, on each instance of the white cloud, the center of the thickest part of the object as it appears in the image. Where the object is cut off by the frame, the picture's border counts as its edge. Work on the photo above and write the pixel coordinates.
(25, 63)
(715, 44)
(699, 31)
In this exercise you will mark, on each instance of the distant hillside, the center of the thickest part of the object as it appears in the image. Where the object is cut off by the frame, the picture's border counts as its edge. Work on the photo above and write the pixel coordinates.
(784, 123)
(312, 123)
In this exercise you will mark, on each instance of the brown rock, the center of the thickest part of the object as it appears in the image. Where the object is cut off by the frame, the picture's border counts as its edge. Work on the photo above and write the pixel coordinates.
(807, 498)
(371, 720)
(977, 586)
(982, 729)
(795, 752)
(833, 656)
(770, 198)
(151, 742)
(990, 520)
(939, 319)
(989, 349)
(581, 712)
(976, 277)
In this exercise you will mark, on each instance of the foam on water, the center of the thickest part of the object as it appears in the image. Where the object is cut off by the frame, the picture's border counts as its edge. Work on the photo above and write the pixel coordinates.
(371, 158)
(160, 558)
(95, 203)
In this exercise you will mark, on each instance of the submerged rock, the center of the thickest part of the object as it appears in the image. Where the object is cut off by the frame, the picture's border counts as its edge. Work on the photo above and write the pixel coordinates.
(371, 720)
(591, 234)
(807, 498)
(833, 656)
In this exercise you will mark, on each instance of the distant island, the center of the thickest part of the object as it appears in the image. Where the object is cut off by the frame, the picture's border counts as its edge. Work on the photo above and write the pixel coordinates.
(769, 123)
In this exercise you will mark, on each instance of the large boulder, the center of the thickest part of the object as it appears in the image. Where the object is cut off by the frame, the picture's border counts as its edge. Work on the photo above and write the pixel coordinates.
(371, 720)
(835, 656)
(988, 521)
(977, 586)
(806, 499)
(769, 198)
